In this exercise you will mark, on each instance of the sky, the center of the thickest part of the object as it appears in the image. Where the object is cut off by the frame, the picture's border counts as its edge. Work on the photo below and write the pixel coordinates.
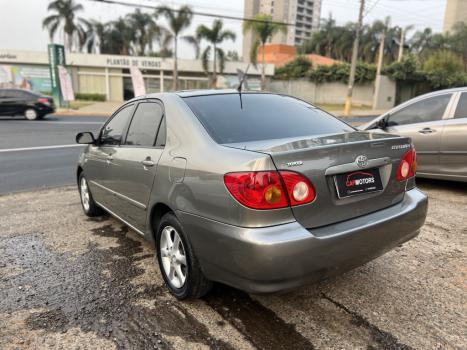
(21, 20)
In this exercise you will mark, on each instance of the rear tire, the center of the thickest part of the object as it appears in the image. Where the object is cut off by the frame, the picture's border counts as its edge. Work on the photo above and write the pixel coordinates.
(177, 262)
(31, 114)
(90, 207)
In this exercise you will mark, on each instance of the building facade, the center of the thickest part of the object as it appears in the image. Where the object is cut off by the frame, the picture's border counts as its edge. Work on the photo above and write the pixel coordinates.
(303, 14)
(109, 75)
(456, 11)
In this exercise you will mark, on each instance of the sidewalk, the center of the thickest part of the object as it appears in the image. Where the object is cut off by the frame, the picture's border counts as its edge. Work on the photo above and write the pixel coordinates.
(104, 109)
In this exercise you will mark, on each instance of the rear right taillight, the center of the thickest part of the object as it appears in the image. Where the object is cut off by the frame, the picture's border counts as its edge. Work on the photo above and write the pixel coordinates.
(43, 100)
(269, 189)
(407, 166)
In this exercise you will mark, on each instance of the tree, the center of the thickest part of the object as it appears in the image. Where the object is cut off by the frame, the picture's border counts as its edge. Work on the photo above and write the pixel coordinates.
(458, 42)
(96, 35)
(121, 37)
(443, 69)
(144, 30)
(263, 29)
(64, 17)
(195, 42)
(178, 21)
(214, 36)
(232, 55)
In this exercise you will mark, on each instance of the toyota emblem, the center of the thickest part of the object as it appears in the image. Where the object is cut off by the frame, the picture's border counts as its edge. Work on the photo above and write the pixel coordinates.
(361, 161)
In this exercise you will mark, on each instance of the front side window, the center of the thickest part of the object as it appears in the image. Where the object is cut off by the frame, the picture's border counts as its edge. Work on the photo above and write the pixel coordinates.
(256, 116)
(427, 110)
(113, 131)
(461, 110)
(144, 125)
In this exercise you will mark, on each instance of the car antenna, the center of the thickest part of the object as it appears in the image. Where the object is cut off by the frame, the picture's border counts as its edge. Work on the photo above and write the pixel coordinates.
(242, 80)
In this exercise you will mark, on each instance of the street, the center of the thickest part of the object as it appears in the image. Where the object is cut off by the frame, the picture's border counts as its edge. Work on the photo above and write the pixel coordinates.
(41, 153)
(71, 282)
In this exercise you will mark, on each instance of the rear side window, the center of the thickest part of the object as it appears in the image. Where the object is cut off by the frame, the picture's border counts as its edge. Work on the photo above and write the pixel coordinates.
(461, 110)
(113, 131)
(144, 125)
(261, 117)
(427, 110)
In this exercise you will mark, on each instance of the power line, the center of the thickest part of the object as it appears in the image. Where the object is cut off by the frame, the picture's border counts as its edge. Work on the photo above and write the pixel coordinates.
(205, 14)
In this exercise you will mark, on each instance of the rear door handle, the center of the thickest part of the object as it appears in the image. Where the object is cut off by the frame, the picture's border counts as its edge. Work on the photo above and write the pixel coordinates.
(426, 131)
(148, 163)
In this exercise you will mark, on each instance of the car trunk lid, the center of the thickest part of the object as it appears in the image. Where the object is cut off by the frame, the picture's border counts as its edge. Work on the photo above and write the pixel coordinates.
(323, 158)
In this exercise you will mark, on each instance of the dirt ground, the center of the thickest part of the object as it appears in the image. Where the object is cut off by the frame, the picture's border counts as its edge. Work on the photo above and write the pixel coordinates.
(69, 282)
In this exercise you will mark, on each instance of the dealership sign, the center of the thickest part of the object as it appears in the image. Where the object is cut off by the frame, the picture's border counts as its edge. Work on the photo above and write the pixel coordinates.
(56, 58)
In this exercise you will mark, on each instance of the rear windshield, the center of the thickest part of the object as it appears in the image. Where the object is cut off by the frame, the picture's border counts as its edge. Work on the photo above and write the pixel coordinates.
(261, 117)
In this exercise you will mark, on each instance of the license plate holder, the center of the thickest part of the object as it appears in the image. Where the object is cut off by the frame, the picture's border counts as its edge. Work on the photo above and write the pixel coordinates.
(358, 182)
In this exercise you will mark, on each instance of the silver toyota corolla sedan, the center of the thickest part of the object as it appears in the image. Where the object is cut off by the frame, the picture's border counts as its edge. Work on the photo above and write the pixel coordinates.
(437, 125)
(259, 191)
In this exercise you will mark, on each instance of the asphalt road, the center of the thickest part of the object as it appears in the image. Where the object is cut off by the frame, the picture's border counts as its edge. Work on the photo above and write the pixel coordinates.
(69, 282)
(36, 154)
(39, 154)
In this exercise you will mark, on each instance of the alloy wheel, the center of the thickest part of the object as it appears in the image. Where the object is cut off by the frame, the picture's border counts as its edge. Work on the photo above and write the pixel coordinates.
(173, 257)
(85, 194)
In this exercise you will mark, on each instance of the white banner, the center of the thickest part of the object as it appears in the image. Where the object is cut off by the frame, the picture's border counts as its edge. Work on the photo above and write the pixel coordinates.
(65, 84)
(138, 81)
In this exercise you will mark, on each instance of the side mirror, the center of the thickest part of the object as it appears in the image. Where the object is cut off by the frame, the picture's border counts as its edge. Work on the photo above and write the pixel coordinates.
(381, 124)
(85, 138)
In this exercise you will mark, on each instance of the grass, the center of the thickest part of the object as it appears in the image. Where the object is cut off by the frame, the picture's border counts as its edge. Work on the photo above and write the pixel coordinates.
(77, 104)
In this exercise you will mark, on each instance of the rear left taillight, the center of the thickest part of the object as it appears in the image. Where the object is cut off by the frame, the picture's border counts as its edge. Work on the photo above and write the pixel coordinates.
(407, 166)
(43, 100)
(269, 189)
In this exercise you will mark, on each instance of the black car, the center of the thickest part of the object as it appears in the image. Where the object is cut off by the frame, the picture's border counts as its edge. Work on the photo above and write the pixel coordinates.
(29, 104)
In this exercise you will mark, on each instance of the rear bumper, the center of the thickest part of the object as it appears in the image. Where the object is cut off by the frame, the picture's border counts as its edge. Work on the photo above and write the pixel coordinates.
(271, 259)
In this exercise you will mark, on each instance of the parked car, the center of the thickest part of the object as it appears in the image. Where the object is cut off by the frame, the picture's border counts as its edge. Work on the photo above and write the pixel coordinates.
(26, 103)
(262, 192)
(437, 125)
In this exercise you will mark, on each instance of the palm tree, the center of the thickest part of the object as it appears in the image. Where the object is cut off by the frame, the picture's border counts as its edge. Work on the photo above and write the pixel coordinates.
(178, 21)
(263, 29)
(144, 30)
(194, 41)
(64, 17)
(214, 36)
(123, 36)
(96, 35)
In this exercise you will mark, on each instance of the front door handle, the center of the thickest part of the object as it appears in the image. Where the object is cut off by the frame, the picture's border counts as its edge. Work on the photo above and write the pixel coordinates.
(148, 163)
(426, 131)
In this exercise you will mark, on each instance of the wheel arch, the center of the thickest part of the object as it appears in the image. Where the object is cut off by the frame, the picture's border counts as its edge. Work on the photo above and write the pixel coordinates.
(158, 210)
(79, 170)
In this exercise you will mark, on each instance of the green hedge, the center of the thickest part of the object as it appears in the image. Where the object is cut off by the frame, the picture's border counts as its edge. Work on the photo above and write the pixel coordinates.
(90, 97)
(301, 67)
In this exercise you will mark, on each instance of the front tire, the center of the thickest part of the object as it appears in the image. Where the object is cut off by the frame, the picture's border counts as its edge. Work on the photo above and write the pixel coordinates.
(31, 114)
(90, 207)
(178, 264)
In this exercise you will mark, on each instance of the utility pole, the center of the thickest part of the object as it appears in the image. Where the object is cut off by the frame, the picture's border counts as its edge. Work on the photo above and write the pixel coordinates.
(353, 66)
(401, 45)
(378, 71)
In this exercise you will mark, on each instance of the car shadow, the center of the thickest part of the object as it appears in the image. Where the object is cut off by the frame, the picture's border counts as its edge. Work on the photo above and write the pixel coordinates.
(435, 184)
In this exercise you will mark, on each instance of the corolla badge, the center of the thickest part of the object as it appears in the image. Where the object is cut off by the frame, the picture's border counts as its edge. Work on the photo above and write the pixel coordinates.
(361, 161)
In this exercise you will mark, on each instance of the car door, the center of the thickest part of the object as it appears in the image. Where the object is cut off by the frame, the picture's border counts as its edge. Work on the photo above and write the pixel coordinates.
(99, 159)
(135, 162)
(453, 152)
(423, 122)
(9, 102)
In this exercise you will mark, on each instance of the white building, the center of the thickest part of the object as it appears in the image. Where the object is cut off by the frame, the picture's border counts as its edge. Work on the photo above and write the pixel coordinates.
(109, 75)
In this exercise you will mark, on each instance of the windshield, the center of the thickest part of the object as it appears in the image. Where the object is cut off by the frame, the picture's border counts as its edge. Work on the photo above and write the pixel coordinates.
(261, 117)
